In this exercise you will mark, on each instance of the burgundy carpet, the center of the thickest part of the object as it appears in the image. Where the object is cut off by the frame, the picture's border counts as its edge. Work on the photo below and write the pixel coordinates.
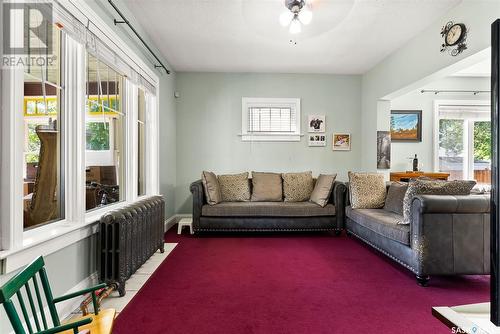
(313, 283)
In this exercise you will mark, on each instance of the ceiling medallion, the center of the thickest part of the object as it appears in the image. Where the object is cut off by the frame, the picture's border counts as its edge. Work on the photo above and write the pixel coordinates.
(455, 36)
(298, 13)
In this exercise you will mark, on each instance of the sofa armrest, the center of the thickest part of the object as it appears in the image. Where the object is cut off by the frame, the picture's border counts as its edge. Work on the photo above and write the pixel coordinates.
(196, 189)
(338, 198)
(450, 234)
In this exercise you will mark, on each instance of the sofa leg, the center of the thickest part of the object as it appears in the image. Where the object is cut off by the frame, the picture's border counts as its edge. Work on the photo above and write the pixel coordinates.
(338, 232)
(423, 280)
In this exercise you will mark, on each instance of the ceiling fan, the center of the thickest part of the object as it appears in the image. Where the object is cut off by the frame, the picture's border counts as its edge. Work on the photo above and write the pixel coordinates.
(298, 13)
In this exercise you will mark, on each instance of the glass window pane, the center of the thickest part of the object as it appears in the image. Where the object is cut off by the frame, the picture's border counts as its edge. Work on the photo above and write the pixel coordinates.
(104, 127)
(43, 200)
(482, 152)
(451, 148)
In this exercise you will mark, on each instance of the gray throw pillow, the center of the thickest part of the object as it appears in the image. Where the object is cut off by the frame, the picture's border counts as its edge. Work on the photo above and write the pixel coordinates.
(211, 187)
(323, 189)
(433, 187)
(266, 187)
(297, 187)
(366, 190)
(235, 187)
(395, 197)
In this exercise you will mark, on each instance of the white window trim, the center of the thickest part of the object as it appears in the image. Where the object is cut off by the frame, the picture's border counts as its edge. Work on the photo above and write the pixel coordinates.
(468, 134)
(248, 102)
(19, 247)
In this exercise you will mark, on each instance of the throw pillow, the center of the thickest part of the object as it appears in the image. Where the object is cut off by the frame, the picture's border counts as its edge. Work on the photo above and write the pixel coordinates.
(297, 187)
(395, 197)
(211, 187)
(366, 190)
(322, 189)
(433, 187)
(266, 187)
(234, 188)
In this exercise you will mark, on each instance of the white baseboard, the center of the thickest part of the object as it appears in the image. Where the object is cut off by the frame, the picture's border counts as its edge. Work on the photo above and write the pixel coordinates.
(174, 220)
(65, 308)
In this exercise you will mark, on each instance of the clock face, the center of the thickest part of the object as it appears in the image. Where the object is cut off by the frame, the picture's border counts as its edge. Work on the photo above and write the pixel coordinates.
(454, 34)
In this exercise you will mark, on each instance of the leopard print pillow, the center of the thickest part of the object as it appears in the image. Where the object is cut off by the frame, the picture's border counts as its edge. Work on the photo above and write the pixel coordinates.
(297, 187)
(433, 187)
(366, 190)
(234, 188)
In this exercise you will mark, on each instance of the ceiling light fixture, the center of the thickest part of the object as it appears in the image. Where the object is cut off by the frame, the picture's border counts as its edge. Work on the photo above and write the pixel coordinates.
(298, 14)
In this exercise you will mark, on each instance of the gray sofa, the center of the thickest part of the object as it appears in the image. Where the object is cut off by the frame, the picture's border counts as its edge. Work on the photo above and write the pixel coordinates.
(448, 235)
(267, 216)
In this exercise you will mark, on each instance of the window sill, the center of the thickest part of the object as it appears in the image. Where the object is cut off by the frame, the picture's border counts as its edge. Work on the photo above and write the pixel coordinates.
(271, 137)
(51, 238)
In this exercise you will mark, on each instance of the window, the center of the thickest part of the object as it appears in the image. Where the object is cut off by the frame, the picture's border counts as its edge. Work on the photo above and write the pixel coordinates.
(43, 163)
(104, 136)
(464, 142)
(141, 142)
(270, 119)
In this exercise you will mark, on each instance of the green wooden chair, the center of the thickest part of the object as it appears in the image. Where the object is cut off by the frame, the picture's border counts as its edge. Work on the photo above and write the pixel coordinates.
(35, 318)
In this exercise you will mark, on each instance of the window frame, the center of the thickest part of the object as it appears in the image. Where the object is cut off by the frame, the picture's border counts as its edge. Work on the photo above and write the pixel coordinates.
(18, 247)
(468, 172)
(260, 102)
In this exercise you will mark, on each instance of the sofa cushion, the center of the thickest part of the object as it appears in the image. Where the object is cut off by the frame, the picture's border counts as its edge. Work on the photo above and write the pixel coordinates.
(266, 187)
(433, 187)
(297, 187)
(234, 187)
(267, 209)
(395, 197)
(211, 187)
(380, 221)
(322, 189)
(366, 190)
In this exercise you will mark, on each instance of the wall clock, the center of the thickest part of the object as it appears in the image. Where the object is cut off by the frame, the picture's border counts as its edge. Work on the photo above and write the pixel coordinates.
(455, 36)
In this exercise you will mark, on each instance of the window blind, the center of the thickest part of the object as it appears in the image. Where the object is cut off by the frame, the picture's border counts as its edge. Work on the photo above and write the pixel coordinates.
(99, 45)
(464, 111)
(274, 120)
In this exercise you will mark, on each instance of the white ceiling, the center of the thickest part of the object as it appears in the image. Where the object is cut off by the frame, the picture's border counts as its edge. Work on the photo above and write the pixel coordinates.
(344, 37)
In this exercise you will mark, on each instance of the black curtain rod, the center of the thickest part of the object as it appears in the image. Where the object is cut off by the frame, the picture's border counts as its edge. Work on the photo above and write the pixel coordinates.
(437, 91)
(124, 20)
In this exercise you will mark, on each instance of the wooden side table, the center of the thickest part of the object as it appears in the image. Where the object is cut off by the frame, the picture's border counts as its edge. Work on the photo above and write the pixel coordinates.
(406, 176)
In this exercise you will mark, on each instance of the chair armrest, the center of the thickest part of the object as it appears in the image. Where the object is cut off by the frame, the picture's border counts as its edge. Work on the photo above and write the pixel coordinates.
(196, 189)
(452, 204)
(79, 293)
(339, 199)
(450, 234)
(65, 327)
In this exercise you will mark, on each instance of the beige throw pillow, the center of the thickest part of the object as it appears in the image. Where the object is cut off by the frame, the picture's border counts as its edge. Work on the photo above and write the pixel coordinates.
(235, 187)
(323, 189)
(297, 187)
(211, 187)
(366, 190)
(266, 187)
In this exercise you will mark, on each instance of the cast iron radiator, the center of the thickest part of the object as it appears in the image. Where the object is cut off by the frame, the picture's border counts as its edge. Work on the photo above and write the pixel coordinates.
(127, 238)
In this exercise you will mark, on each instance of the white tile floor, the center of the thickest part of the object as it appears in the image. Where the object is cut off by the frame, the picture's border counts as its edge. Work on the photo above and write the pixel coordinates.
(136, 281)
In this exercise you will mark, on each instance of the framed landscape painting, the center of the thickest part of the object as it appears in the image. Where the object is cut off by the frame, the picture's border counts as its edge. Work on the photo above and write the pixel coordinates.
(406, 125)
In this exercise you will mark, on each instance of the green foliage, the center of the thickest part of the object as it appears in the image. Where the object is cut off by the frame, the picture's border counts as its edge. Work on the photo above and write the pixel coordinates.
(482, 141)
(97, 136)
(33, 144)
(451, 136)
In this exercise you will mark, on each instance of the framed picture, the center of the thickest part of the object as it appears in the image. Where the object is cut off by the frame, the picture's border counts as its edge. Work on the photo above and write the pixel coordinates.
(317, 140)
(341, 142)
(383, 149)
(316, 123)
(406, 125)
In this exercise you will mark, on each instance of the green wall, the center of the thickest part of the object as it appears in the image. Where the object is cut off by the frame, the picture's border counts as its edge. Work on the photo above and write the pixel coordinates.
(209, 121)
